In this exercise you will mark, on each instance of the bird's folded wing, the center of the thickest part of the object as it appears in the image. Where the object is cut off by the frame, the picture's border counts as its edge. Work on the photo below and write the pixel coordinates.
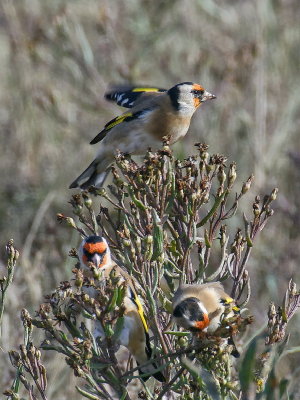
(228, 300)
(136, 301)
(131, 285)
(126, 117)
(129, 96)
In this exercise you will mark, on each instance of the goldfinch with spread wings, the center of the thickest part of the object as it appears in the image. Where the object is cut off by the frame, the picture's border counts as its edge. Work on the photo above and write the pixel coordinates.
(154, 113)
(135, 332)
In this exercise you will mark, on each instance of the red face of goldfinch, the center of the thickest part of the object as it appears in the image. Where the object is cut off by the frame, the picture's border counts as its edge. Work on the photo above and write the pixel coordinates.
(94, 249)
(201, 95)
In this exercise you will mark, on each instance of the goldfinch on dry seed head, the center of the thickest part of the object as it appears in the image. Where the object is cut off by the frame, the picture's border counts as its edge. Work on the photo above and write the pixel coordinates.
(135, 332)
(199, 307)
(154, 113)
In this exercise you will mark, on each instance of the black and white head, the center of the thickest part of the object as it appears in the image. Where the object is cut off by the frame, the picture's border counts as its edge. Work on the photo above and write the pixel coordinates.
(188, 96)
(191, 314)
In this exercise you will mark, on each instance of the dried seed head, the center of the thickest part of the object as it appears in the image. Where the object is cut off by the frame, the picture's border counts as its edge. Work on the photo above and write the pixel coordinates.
(205, 157)
(15, 358)
(73, 253)
(292, 288)
(77, 204)
(70, 221)
(232, 174)
(205, 198)
(201, 147)
(220, 191)
(126, 242)
(12, 253)
(272, 313)
(127, 231)
(98, 191)
(44, 310)
(78, 278)
(246, 186)
(25, 316)
(183, 341)
(149, 239)
(274, 194)
(256, 209)
(60, 217)
(200, 246)
(87, 200)
(202, 166)
(217, 159)
(221, 175)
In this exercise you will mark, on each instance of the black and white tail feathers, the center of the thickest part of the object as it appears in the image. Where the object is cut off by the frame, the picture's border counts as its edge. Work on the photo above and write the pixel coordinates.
(151, 368)
(90, 177)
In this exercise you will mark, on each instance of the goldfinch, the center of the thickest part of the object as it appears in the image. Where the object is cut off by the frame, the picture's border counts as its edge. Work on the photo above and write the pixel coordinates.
(135, 332)
(154, 113)
(199, 307)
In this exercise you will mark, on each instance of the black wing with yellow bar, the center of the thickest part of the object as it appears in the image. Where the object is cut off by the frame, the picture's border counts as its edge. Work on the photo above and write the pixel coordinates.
(127, 117)
(126, 97)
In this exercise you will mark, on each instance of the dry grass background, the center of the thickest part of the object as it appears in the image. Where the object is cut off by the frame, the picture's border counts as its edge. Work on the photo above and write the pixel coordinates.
(56, 61)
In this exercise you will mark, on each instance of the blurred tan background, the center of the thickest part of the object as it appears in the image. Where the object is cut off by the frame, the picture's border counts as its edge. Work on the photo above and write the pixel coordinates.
(58, 57)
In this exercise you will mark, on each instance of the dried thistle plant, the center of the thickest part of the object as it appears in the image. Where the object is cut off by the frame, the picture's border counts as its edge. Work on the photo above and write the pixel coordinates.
(6, 280)
(278, 319)
(163, 219)
(27, 362)
(276, 340)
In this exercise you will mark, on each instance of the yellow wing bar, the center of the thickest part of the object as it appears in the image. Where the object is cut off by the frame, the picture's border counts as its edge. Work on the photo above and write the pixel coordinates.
(117, 120)
(229, 300)
(147, 90)
(139, 307)
(129, 96)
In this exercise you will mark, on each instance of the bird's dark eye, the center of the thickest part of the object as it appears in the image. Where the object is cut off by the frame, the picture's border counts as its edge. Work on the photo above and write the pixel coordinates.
(197, 92)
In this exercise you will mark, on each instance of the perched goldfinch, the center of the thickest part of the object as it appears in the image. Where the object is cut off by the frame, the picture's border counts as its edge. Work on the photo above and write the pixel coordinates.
(199, 307)
(135, 332)
(155, 113)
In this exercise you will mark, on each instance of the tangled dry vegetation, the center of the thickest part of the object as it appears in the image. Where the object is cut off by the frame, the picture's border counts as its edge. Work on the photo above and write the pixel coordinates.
(163, 218)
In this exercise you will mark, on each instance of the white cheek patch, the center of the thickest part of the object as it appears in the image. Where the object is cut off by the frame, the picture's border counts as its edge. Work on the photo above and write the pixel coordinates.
(186, 108)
